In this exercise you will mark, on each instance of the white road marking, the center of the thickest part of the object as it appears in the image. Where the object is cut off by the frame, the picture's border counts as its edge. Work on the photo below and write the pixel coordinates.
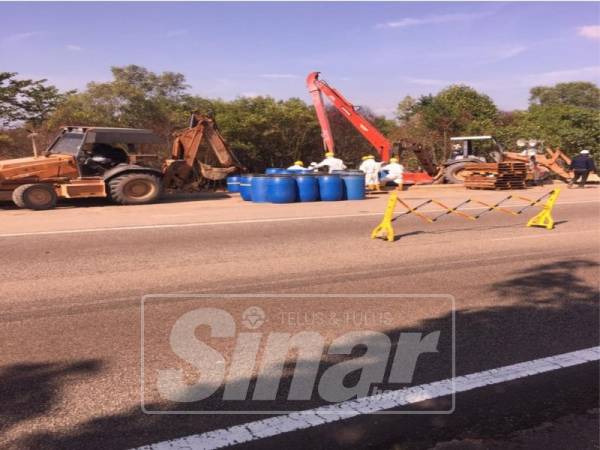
(236, 222)
(274, 426)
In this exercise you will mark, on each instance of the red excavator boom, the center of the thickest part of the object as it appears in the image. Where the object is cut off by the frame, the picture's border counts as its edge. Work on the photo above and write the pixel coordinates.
(317, 89)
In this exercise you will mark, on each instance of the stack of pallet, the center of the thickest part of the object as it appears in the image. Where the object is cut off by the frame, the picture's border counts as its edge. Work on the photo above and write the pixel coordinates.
(504, 175)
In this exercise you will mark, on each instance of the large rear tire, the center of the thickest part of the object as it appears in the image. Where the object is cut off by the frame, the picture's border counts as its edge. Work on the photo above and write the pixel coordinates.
(38, 196)
(456, 173)
(135, 189)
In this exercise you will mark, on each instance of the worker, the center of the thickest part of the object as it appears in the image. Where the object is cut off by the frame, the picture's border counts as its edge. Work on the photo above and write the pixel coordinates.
(581, 166)
(371, 169)
(298, 165)
(395, 172)
(332, 162)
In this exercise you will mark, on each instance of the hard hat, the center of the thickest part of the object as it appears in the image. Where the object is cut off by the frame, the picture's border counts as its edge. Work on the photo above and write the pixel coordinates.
(299, 163)
(364, 158)
(328, 154)
(370, 157)
(393, 160)
(585, 152)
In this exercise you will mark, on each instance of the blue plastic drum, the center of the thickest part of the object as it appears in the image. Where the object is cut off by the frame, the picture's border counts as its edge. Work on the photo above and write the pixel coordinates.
(354, 186)
(259, 188)
(233, 184)
(308, 187)
(331, 188)
(281, 189)
(275, 171)
(246, 187)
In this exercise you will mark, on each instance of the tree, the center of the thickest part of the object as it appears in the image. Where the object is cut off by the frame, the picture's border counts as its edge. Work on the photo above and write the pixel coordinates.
(581, 94)
(568, 127)
(265, 132)
(456, 110)
(406, 109)
(27, 100)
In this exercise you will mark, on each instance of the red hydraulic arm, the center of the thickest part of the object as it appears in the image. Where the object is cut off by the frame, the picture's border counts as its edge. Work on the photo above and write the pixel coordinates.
(317, 89)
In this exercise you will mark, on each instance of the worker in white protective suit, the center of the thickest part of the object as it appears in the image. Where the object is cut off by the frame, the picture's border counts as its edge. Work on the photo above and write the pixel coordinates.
(298, 165)
(395, 172)
(332, 162)
(371, 169)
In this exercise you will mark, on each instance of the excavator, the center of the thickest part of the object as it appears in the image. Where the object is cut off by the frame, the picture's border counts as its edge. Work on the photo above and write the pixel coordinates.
(453, 171)
(92, 162)
(319, 89)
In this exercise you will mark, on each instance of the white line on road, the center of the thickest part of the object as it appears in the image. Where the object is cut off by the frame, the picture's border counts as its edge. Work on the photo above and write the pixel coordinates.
(232, 222)
(274, 426)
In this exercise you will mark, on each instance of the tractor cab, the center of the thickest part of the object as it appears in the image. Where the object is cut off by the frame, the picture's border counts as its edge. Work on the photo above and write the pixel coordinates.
(475, 148)
(469, 149)
(97, 150)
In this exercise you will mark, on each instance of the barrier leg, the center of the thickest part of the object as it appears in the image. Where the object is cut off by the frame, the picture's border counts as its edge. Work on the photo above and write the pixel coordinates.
(544, 218)
(386, 224)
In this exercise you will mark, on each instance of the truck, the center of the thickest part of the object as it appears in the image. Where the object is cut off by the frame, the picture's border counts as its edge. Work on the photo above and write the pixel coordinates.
(101, 162)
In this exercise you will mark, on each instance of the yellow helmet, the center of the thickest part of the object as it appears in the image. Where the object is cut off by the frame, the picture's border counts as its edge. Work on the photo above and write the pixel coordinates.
(370, 157)
(328, 154)
(299, 163)
(393, 160)
(364, 158)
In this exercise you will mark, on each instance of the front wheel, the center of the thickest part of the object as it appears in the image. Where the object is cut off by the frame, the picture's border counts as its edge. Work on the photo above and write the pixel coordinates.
(135, 188)
(38, 196)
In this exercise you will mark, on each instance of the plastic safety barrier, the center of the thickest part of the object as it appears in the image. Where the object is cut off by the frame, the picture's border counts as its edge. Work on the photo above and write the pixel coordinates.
(542, 219)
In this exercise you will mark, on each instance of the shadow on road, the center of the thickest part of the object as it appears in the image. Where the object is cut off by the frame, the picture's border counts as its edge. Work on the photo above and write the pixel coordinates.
(548, 309)
(31, 390)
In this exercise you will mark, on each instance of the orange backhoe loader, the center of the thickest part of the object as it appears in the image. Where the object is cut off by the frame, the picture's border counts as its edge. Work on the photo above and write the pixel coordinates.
(84, 162)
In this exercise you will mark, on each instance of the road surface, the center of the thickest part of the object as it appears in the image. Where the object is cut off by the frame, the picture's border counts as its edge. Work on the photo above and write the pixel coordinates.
(73, 280)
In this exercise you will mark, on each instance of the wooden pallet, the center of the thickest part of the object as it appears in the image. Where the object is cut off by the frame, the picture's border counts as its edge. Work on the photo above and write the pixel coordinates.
(507, 175)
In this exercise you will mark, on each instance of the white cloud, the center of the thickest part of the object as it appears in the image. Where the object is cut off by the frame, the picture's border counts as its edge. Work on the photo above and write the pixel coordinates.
(22, 36)
(176, 33)
(589, 31)
(432, 20)
(74, 48)
(278, 75)
(591, 73)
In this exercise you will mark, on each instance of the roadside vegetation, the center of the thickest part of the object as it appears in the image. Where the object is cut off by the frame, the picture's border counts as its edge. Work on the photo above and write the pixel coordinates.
(266, 132)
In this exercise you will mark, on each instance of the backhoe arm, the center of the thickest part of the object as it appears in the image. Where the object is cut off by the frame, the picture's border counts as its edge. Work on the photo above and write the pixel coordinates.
(317, 89)
(179, 170)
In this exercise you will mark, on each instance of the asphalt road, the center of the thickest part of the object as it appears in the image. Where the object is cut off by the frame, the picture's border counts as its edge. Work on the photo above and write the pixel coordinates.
(70, 375)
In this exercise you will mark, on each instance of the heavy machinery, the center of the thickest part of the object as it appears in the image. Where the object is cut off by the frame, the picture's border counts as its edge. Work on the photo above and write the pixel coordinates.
(319, 88)
(456, 169)
(86, 162)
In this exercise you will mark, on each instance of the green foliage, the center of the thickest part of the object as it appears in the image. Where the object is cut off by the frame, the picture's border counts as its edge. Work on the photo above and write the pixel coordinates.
(27, 100)
(458, 110)
(581, 94)
(568, 127)
(265, 132)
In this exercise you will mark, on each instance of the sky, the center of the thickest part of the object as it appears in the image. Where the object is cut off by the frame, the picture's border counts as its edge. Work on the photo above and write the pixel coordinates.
(374, 53)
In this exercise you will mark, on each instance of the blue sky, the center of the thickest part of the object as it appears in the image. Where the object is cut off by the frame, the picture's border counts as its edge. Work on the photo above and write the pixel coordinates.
(375, 53)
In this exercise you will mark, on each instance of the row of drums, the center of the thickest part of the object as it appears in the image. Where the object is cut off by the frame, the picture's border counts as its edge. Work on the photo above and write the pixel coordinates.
(299, 187)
